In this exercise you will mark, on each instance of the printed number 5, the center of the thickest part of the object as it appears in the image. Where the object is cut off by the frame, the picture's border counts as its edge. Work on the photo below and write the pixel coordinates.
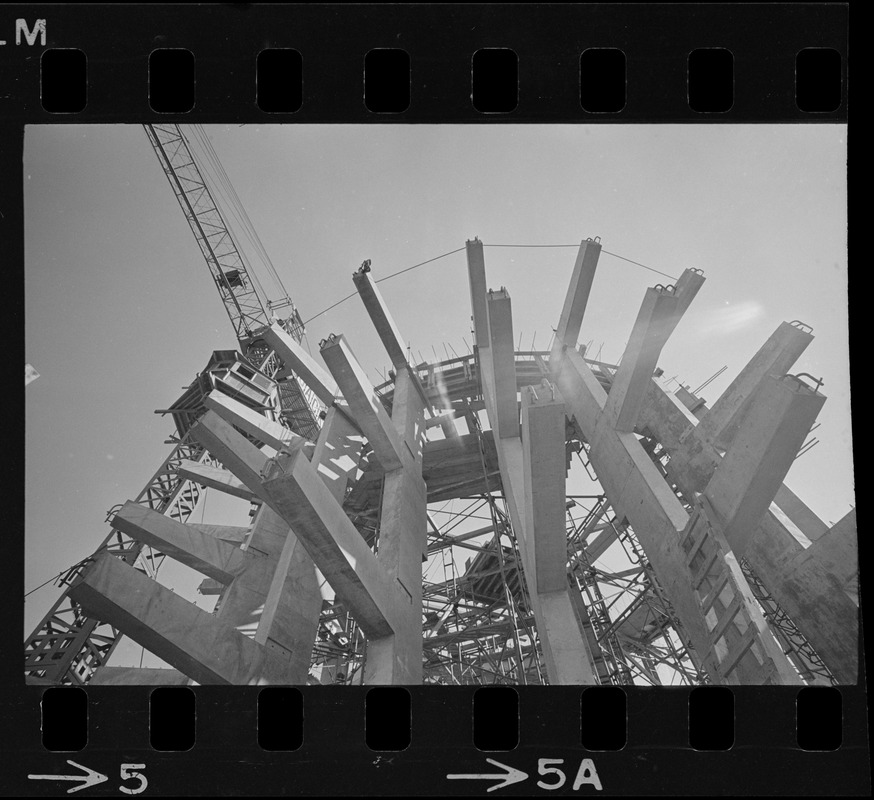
(128, 772)
(543, 769)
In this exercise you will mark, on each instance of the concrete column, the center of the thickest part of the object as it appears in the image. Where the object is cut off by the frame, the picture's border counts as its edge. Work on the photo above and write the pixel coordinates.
(543, 425)
(556, 621)
(773, 429)
(503, 361)
(567, 657)
(476, 273)
(656, 320)
(577, 297)
(402, 541)
(775, 357)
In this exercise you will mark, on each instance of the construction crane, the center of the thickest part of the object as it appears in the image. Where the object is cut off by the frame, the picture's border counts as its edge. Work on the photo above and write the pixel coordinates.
(68, 646)
(235, 282)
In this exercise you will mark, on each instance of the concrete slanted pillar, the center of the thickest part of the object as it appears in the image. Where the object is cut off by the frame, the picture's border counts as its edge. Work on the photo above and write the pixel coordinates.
(808, 589)
(301, 363)
(838, 551)
(250, 421)
(775, 357)
(231, 534)
(577, 298)
(476, 273)
(562, 637)
(138, 676)
(214, 478)
(657, 318)
(773, 429)
(634, 487)
(295, 491)
(800, 514)
(196, 643)
(686, 288)
(385, 326)
(200, 551)
(364, 404)
(277, 601)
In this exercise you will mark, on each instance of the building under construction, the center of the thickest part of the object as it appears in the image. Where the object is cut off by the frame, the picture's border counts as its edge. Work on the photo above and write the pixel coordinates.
(683, 559)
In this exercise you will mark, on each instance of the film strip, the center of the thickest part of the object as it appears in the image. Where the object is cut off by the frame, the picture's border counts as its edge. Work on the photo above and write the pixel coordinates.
(477, 67)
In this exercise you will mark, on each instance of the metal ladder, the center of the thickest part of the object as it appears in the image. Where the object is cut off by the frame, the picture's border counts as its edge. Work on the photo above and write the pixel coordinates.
(742, 649)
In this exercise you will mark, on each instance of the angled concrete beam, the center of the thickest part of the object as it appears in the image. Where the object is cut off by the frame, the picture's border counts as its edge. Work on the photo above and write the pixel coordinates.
(214, 478)
(476, 273)
(297, 493)
(657, 318)
(326, 519)
(138, 676)
(231, 448)
(301, 363)
(382, 320)
(772, 431)
(577, 297)
(189, 639)
(775, 357)
(808, 589)
(338, 453)
(232, 534)
(575, 379)
(635, 489)
(503, 364)
(385, 327)
(800, 514)
(287, 602)
(687, 287)
(543, 458)
(200, 551)
(294, 599)
(364, 404)
(838, 550)
(250, 421)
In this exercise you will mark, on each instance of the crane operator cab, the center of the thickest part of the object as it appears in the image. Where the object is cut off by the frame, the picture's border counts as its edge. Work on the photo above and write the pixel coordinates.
(231, 278)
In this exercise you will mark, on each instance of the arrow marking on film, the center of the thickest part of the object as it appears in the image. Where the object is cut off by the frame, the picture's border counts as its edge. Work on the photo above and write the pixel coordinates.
(91, 777)
(512, 776)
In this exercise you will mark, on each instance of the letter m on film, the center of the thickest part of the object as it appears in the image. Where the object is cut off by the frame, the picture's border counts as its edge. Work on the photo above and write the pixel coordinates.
(39, 28)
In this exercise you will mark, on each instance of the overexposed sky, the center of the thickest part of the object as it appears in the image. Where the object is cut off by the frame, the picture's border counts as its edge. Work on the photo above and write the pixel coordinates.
(121, 311)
